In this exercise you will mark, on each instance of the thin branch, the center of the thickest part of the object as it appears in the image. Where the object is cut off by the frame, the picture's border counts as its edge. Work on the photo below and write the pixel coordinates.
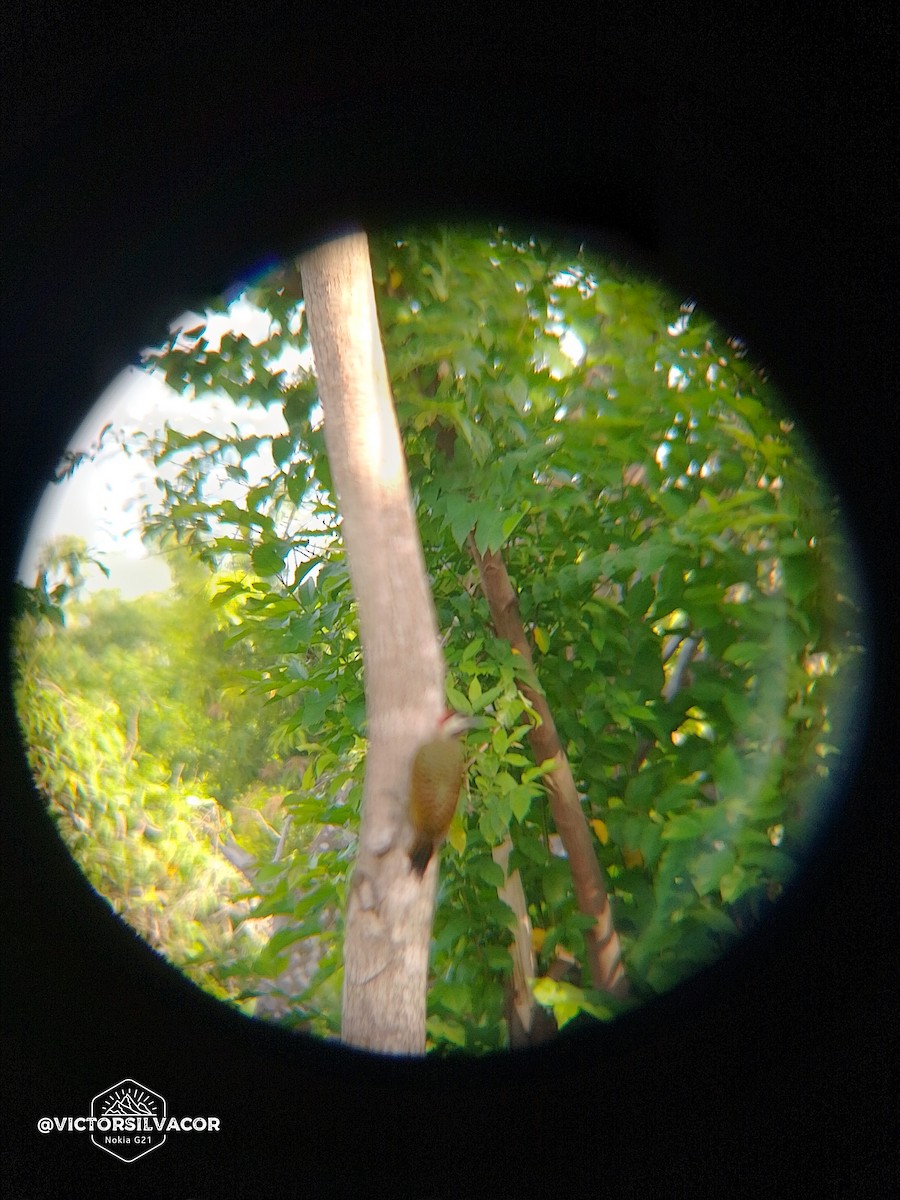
(685, 656)
(602, 940)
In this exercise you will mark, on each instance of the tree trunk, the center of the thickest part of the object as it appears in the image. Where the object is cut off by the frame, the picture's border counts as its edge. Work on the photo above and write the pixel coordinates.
(389, 910)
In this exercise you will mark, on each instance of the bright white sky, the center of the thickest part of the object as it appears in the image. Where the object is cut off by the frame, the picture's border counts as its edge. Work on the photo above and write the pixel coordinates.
(101, 502)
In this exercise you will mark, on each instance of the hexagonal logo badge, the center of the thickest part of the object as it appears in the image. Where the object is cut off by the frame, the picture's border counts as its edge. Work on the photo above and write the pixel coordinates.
(129, 1120)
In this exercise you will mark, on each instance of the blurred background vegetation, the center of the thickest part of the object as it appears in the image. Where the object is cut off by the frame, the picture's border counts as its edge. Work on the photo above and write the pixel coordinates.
(680, 567)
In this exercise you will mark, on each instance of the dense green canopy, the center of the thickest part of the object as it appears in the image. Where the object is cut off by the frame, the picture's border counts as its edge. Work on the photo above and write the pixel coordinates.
(680, 569)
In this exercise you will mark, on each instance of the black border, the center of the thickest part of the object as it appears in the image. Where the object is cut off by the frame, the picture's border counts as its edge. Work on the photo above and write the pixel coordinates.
(151, 160)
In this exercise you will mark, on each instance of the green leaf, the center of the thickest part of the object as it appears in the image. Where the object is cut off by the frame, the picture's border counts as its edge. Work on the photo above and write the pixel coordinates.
(451, 996)
(776, 864)
(688, 826)
(675, 796)
(267, 560)
(532, 849)
(511, 523)
(489, 535)
(708, 869)
(801, 575)
(497, 958)
(520, 800)
(641, 789)
(735, 883)
(747, 654)
(567, 1001)
(653, 555)
(488, 872)
(457, 700)
(517, 390)
(639, 598)
(281, 450)
(440, 1029)
(462, 516)
(728, 771)
(556, 881)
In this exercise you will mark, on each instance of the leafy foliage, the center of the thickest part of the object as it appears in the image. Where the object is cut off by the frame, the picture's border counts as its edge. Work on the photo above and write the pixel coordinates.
(679, 565)
(138, 818)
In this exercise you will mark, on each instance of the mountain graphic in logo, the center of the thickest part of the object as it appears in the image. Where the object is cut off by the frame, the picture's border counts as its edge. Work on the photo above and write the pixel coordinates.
(129, 1120)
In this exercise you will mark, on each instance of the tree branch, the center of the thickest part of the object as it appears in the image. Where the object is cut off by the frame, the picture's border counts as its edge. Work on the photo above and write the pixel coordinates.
(602, 941)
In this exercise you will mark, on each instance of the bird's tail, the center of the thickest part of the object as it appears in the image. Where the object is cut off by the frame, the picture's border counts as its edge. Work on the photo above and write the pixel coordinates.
(420, 854)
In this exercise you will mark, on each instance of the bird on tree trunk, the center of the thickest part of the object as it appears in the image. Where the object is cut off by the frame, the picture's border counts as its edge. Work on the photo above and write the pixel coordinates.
(437, 775)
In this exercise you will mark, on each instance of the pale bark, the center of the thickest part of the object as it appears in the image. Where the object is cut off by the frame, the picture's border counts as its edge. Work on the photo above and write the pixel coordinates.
(522, 948)
(389, 911)
(602, 942)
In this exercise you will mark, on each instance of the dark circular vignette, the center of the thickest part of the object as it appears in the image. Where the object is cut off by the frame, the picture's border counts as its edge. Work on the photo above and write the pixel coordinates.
(766, 204)
(593, 245)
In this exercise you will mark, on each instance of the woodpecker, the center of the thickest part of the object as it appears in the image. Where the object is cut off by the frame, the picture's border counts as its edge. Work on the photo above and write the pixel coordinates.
(437, 775)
